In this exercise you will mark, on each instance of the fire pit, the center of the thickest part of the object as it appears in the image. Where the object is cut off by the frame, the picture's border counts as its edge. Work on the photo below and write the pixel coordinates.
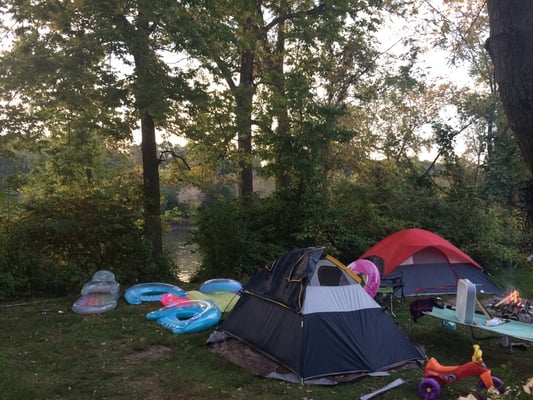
(511, 306)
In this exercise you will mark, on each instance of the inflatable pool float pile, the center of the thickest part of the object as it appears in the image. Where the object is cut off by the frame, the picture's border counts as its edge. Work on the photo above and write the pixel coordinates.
(187, 312)
(187, 316)
(223, 292)
(99, 295)
(145, 292)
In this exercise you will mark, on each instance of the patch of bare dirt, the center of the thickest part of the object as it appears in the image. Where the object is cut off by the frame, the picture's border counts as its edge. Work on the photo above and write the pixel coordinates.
(151, 353)
(246, 357)
(258, 364)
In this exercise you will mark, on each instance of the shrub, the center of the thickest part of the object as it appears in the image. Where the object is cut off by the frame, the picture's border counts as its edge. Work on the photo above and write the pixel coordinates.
(56, 244)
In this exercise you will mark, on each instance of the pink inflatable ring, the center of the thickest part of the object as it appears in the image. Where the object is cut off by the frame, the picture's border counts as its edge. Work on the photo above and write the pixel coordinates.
(370, 272)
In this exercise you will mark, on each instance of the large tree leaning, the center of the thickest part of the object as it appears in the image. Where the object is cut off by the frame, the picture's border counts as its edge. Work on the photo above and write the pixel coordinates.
(510, 46)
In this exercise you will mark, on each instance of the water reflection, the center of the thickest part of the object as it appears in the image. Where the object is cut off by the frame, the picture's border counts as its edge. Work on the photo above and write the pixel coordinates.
(184, 254)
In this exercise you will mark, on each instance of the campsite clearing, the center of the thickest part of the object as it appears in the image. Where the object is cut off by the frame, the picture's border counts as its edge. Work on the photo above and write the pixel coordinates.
(46, 351)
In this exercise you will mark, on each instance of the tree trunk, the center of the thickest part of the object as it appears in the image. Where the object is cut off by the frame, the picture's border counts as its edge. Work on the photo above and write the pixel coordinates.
(244, 123)
(137, 39)
(244, 101)
(152, 211)
(283, 179)
(511, 49)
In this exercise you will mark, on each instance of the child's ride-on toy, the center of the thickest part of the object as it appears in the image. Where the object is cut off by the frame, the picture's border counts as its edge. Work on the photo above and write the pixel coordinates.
(437, 375)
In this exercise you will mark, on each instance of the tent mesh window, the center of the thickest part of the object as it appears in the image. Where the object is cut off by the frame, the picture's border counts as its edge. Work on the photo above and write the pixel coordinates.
(329, 276)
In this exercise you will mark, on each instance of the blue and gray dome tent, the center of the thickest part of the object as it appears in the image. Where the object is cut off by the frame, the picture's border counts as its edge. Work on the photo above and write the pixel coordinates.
(307, 312)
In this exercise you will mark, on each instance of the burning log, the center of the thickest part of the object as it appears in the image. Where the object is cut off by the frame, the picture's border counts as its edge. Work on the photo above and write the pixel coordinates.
(513, 297)
(513, 307)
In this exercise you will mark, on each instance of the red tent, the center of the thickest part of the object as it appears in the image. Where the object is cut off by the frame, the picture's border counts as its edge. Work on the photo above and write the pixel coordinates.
(427, 263)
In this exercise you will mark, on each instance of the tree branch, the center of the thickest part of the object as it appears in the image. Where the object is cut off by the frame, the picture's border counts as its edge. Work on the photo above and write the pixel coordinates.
(173, 154)
(282, 18)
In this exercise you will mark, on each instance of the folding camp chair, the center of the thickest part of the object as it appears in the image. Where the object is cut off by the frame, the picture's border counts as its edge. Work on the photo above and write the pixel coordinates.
(388, 288)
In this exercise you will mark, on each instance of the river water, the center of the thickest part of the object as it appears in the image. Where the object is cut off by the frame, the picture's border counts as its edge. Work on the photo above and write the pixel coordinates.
(183, 253)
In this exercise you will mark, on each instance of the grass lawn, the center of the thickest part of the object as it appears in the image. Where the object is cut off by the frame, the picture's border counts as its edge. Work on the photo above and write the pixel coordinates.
(48, 352)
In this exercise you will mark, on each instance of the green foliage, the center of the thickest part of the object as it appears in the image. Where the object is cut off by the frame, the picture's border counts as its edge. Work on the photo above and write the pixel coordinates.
(11, 282)
(227, 242)
(58, 242)
(347, 216)
(235, 239)
(78, 211)
(324, 112)
(504, 241)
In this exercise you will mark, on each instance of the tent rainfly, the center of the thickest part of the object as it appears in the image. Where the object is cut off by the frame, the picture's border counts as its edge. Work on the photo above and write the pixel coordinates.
(307, 312)
(427, 264)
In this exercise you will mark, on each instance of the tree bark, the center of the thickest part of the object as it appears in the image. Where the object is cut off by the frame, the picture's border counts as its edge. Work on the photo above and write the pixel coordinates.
(510, 46)
(283, 179)
(137, 39)
(244, 101)
(244, 123)
(152, 211)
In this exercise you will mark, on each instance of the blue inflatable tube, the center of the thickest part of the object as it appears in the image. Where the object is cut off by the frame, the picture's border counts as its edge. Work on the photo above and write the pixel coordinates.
(221, 285)
(144, 292)
(187, 317)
